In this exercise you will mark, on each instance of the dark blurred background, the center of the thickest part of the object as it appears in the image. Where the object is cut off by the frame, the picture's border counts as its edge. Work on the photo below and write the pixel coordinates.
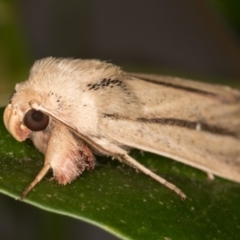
(196, 39)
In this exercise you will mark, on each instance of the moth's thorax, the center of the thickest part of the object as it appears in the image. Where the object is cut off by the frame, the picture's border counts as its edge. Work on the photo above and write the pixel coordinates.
(79, 92)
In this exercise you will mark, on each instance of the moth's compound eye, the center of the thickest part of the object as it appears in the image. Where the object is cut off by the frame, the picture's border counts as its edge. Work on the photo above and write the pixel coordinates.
(35, 120)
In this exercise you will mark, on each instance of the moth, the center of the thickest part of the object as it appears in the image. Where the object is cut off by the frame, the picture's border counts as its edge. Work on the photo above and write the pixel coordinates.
(73, 109)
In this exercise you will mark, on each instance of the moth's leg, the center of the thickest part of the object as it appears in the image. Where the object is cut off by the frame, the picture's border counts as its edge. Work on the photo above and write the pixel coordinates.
(47, 161)
(66, 155)
(117, 152)
(210, 176)
(125, 158)
(37, 179)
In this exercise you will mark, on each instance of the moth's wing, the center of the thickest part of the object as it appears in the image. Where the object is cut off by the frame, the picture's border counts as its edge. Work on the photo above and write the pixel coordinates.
(224, 93)
(195, 124)
(214, 154)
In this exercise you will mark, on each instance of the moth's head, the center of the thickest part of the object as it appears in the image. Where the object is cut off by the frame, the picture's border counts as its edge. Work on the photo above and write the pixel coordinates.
(20, 118)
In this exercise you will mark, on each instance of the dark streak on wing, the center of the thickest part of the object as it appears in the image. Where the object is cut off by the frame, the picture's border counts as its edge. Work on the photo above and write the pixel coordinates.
(198, 126)
(189, 89)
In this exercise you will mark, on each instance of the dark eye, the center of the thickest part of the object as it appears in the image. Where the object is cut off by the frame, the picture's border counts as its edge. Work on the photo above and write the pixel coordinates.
(35, 120)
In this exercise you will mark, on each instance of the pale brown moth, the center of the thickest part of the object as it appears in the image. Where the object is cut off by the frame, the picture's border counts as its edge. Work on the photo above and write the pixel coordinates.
(72, 109)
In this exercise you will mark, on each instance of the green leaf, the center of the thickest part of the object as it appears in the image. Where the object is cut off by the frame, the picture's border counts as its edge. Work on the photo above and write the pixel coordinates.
(125, 203)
